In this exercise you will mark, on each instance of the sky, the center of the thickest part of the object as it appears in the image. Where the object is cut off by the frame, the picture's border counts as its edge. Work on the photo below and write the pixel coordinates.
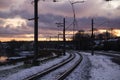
(14, 15)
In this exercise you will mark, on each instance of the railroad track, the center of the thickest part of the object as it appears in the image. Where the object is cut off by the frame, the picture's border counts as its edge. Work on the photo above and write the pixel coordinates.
(111, 54)
(67, 72)
(56, 68)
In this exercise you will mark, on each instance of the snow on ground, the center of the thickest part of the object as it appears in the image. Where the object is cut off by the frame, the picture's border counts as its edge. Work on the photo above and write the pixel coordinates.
(6, 67)
(7, 70)
(82, 71)
(54, 74)
(33, 70)
(103, 68)
(96, 67)
(10, 71)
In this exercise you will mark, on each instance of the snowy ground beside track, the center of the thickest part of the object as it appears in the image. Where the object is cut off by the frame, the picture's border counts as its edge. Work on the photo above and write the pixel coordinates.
(82, 71)
(32, 70)
(102, 68)
(97, 67)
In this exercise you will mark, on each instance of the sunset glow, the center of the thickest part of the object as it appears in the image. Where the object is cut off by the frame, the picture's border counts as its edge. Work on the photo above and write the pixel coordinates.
(101, 30)
(3, 58)
(115, 31)
(69, 34)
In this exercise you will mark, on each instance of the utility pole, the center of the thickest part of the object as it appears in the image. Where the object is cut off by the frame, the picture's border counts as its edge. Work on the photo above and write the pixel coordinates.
(50, 38)
(35, 62)
(58, 37)
(35, 31)
(64, 39)
(92, 36)
(74, 15)
(74, 18)
(74, 21)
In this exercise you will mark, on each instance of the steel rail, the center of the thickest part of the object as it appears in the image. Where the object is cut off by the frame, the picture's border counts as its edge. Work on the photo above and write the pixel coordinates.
(111, 54)
(66, 73)
(50, 69)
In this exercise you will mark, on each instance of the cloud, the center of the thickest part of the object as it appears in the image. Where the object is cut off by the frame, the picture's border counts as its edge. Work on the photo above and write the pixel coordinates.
(50, 13)
(89, 8)
(4, 5)
(14, 26)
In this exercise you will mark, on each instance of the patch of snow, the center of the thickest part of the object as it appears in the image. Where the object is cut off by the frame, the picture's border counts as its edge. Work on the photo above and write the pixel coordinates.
(33, 70)
(54, 54)
(103, 68)
(112, 40)
(82, 71)
(26, 53)
(10, 66)
(96, 67)
(15, 58)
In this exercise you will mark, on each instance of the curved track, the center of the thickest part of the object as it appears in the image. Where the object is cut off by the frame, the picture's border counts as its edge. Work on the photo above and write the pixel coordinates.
(42, 73)
(56, 67)
(66, 73)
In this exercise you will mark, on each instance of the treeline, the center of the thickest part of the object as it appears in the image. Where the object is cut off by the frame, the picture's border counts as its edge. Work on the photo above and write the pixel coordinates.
(103, 41)
(12, 48)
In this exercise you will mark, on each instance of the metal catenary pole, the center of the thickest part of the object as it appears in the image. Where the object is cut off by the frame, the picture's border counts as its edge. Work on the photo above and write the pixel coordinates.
(64, 40)
(35, 30)
(92, 36)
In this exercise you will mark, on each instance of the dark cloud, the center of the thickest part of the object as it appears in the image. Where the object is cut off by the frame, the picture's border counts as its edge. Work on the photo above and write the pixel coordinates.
(5, 4)
(107, 23)
(19, 30)
(50, 13)
(23, 14)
